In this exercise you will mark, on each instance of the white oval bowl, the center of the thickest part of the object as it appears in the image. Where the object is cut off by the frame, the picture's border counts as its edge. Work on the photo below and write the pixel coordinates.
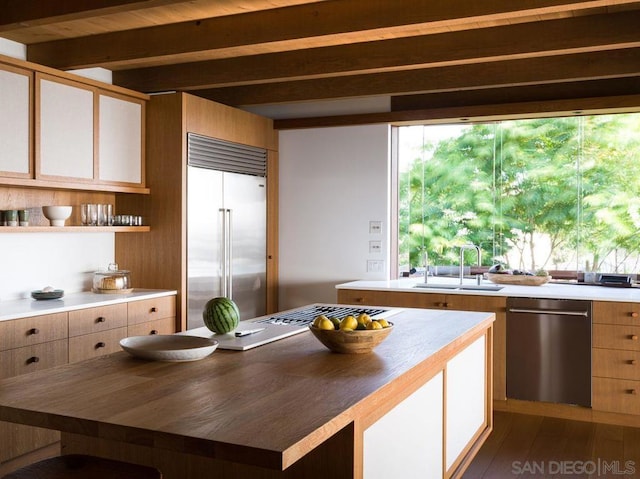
(169, 347)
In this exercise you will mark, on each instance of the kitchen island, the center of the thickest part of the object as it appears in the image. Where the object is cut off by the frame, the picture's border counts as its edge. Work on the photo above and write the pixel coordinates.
(289, 409)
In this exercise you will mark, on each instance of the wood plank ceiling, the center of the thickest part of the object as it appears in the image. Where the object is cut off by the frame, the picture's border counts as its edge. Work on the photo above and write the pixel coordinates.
(425, 55)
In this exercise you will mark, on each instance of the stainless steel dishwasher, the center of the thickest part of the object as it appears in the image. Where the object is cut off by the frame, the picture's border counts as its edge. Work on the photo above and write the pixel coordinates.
(549, 350)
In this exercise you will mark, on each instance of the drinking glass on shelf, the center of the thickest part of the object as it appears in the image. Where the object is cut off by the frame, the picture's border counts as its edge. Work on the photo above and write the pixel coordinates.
(108, 215)
(84, 214)
(92, 214)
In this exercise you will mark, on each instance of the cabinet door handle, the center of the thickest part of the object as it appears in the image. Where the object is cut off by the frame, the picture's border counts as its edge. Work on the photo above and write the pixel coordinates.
(100, 345)
(33, 359)
(634, 314)
(100, 319)
(154, 310)
(632, 362)
(633, 337)
(631, 391)
(34, 331)
(154, 331)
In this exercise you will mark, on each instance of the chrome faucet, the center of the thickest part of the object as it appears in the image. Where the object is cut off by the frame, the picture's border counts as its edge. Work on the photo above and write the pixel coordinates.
(462, 250)
(426, 266)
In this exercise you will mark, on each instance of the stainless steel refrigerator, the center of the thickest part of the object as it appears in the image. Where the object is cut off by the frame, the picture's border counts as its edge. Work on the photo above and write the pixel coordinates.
(226, 237)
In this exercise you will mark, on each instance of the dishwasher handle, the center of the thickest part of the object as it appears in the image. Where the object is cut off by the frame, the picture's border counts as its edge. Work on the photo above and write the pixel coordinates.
(549, 311)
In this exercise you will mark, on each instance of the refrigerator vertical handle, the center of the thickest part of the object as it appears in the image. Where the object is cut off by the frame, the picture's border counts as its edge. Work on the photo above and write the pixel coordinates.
(230, 252)
(224, 251)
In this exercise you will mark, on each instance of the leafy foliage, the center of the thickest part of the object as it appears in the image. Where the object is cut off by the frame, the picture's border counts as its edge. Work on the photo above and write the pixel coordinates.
(543, 193)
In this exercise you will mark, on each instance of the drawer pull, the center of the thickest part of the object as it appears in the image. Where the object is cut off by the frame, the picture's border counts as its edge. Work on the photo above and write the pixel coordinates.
(100, 345)
(359, 300)
(34, 331)
(33, 359)
(631, 391)
(632, 362)
(634, 314)
(154, 331)
(633, 337)
(154, 310)
(100, 319)
(443, 305)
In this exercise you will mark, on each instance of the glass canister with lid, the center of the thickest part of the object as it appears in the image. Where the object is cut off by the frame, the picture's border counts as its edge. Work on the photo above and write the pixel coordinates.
(112, 280)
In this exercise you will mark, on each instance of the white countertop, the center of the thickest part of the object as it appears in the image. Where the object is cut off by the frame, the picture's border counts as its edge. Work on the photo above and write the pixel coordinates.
(549, 290)
(24, 308)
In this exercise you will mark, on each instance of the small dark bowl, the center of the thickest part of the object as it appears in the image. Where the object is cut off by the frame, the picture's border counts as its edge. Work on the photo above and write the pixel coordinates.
(55, 294)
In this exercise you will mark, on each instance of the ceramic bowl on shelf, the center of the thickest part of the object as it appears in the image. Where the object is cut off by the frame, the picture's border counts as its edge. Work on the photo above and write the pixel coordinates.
(357, 341)
(57, 215)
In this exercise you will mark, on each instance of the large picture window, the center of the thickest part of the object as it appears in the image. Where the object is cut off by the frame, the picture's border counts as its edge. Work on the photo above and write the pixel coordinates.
(549, 193)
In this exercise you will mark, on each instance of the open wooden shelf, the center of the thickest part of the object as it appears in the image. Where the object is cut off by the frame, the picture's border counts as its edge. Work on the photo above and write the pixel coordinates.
(74, 229)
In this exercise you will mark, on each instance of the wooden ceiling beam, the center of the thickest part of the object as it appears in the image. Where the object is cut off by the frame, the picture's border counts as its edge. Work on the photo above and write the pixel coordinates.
(519, 94)
(552, 69)
(310, 25)
(474, 113)
(16, 14)
(610, 31)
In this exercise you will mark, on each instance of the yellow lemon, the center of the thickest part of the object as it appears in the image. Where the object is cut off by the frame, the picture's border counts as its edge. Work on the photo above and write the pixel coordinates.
(325, 323)
(317, 319)
(349, 322)
(384, 323)
(374, 325)
(363, 319)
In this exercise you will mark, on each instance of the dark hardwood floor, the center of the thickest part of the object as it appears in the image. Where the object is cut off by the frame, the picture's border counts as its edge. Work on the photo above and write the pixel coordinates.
(523, 446)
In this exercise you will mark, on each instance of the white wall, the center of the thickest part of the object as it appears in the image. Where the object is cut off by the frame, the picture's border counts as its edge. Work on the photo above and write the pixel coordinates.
(61, 260)
(13, 49)
(333, 182)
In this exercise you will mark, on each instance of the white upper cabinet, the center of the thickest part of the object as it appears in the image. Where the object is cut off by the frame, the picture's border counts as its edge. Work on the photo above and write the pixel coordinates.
(120, 150)
(64, 129)
(60, 130)
(15, 122)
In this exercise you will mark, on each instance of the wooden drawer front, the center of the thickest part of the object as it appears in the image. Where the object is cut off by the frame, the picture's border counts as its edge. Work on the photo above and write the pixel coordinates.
(616, 313)
(611, 336)
(616, 395)
(93, 320)
(96, 344)
(161, 326)
(152, 309)
(15, 362)
(391, 298)
(614, 363)
(17, 333)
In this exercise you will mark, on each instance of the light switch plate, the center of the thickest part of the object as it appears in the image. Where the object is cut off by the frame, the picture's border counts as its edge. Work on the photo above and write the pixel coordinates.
(375, 266)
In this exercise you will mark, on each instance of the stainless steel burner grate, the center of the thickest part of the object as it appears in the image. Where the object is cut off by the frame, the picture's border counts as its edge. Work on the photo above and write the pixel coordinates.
(304, 317)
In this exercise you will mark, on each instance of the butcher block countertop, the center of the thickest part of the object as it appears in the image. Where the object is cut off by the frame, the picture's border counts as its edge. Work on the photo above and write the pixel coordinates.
(267, 407)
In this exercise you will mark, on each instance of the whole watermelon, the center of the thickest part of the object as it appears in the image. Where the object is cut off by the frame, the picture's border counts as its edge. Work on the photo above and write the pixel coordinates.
(221, 315)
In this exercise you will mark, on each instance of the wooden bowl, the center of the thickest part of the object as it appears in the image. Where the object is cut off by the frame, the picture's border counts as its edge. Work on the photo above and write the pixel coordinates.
(521, 279)
(351, 342)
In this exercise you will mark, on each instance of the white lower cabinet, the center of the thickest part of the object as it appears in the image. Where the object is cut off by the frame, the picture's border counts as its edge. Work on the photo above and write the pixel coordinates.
(466, 406)
(428, 434)
(407, 441)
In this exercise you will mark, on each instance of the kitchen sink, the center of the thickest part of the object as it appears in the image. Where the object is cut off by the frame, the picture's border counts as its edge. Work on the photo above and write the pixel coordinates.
(459, 287)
